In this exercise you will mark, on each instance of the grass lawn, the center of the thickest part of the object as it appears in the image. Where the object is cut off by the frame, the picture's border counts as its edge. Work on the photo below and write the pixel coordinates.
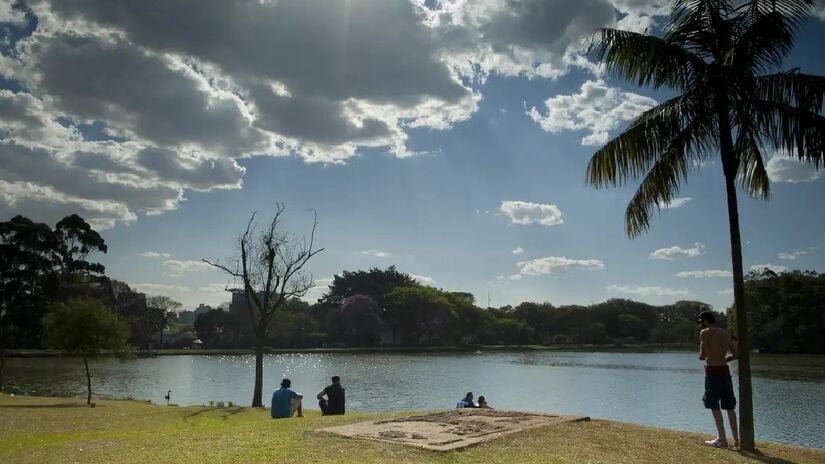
(54, 430)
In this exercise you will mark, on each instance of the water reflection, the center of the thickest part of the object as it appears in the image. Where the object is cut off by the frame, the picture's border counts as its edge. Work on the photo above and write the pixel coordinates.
(661, 389)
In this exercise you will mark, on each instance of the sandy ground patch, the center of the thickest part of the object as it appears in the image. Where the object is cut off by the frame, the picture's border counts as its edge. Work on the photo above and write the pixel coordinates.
(449, 430)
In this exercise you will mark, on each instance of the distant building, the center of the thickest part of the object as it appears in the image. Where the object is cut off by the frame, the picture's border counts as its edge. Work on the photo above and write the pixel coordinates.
(186, 317)
(202, 309)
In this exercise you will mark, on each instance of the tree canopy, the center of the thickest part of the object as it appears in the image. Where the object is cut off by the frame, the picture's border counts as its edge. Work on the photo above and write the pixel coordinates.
(85, 328)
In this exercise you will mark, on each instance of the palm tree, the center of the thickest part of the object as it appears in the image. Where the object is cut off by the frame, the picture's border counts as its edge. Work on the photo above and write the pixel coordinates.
(724, 60)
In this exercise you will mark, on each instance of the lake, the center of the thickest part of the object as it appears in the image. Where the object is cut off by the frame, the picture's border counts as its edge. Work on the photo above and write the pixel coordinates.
(656, 389)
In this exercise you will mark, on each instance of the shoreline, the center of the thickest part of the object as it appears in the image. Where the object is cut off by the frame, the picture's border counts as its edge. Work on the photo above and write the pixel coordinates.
(627, 348)
(800, 359)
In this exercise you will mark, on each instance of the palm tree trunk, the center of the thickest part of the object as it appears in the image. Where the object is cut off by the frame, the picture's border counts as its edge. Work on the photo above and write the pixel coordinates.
(257, 394)
(2, 363)
(88, 380)
(730, 167)
(746, 430)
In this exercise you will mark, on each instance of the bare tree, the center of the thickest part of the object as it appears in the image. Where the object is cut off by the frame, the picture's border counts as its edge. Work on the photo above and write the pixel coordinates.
(270, 266)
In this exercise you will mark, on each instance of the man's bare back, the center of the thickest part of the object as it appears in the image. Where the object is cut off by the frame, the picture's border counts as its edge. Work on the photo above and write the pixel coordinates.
(715, 344)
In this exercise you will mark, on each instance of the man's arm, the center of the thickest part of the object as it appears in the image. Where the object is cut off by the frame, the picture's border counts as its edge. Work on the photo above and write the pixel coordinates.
(320, 396)
(733, 348)
(703, 346)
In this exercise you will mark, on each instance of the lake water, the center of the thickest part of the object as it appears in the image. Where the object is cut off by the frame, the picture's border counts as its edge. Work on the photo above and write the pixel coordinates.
(657, 389)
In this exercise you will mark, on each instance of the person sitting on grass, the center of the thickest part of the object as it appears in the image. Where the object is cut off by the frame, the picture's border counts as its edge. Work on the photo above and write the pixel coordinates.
(333, 404)
(482, 403)
(286, 402)
(467, 402)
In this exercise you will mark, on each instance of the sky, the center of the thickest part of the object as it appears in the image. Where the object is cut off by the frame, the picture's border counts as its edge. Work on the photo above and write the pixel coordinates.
(448, 138)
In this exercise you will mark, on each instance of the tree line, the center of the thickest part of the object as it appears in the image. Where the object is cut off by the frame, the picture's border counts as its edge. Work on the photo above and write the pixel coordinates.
(387, 307)
(52, 295)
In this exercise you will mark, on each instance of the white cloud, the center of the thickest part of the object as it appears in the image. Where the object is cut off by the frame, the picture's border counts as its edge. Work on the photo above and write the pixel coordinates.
(557, 264)
(323, 282)
(791, 256)
(426, 280)
(176, 267)
(178, 110)
(705, 274)
(159, 288)
(647, 291)
(674, 252)
(772, 267)
(8, 14)
(533, 38)
(46, 204)
(675, 203)
(154, 254)
(518, 251)
(819, 10)
(321, 286)
(597, 108)
(216, 287)
(524, 213)
(376, 253)
(726, 291)
(783, 167)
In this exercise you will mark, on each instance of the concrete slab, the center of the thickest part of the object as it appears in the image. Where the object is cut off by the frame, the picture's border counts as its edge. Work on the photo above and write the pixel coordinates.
(450, 430)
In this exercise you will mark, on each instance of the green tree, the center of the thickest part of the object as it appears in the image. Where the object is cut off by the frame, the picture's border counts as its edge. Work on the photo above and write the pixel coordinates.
(723, 60)
(634, 326)
(77, 241)
(358, 320)
(163, 311)
(375, 283)
(510, 331)
(86, 328)
(211, 326)
(293, 326)
(423, 314)
(787, 313)
(28, 253)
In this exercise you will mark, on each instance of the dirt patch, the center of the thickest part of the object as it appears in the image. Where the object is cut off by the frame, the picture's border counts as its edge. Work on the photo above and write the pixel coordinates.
(451, 429)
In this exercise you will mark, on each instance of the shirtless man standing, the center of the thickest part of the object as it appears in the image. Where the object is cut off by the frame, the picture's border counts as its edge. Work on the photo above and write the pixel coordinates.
(717, 348)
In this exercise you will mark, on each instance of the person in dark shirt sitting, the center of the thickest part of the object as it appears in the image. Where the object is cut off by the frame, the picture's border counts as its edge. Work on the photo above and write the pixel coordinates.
(466, 402)
(333, 404)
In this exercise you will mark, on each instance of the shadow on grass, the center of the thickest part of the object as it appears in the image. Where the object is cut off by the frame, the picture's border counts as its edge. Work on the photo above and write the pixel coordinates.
(758, 456)
(223, 413)
(44, 406)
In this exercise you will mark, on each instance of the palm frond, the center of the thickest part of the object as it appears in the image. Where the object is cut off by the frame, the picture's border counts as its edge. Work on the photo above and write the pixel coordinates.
(662, 182)
(696, 25)
(644, 59)
(795, 11)
(632, 153)
(752, 173)
(762, 44)
(804, 91)
(792, 129)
